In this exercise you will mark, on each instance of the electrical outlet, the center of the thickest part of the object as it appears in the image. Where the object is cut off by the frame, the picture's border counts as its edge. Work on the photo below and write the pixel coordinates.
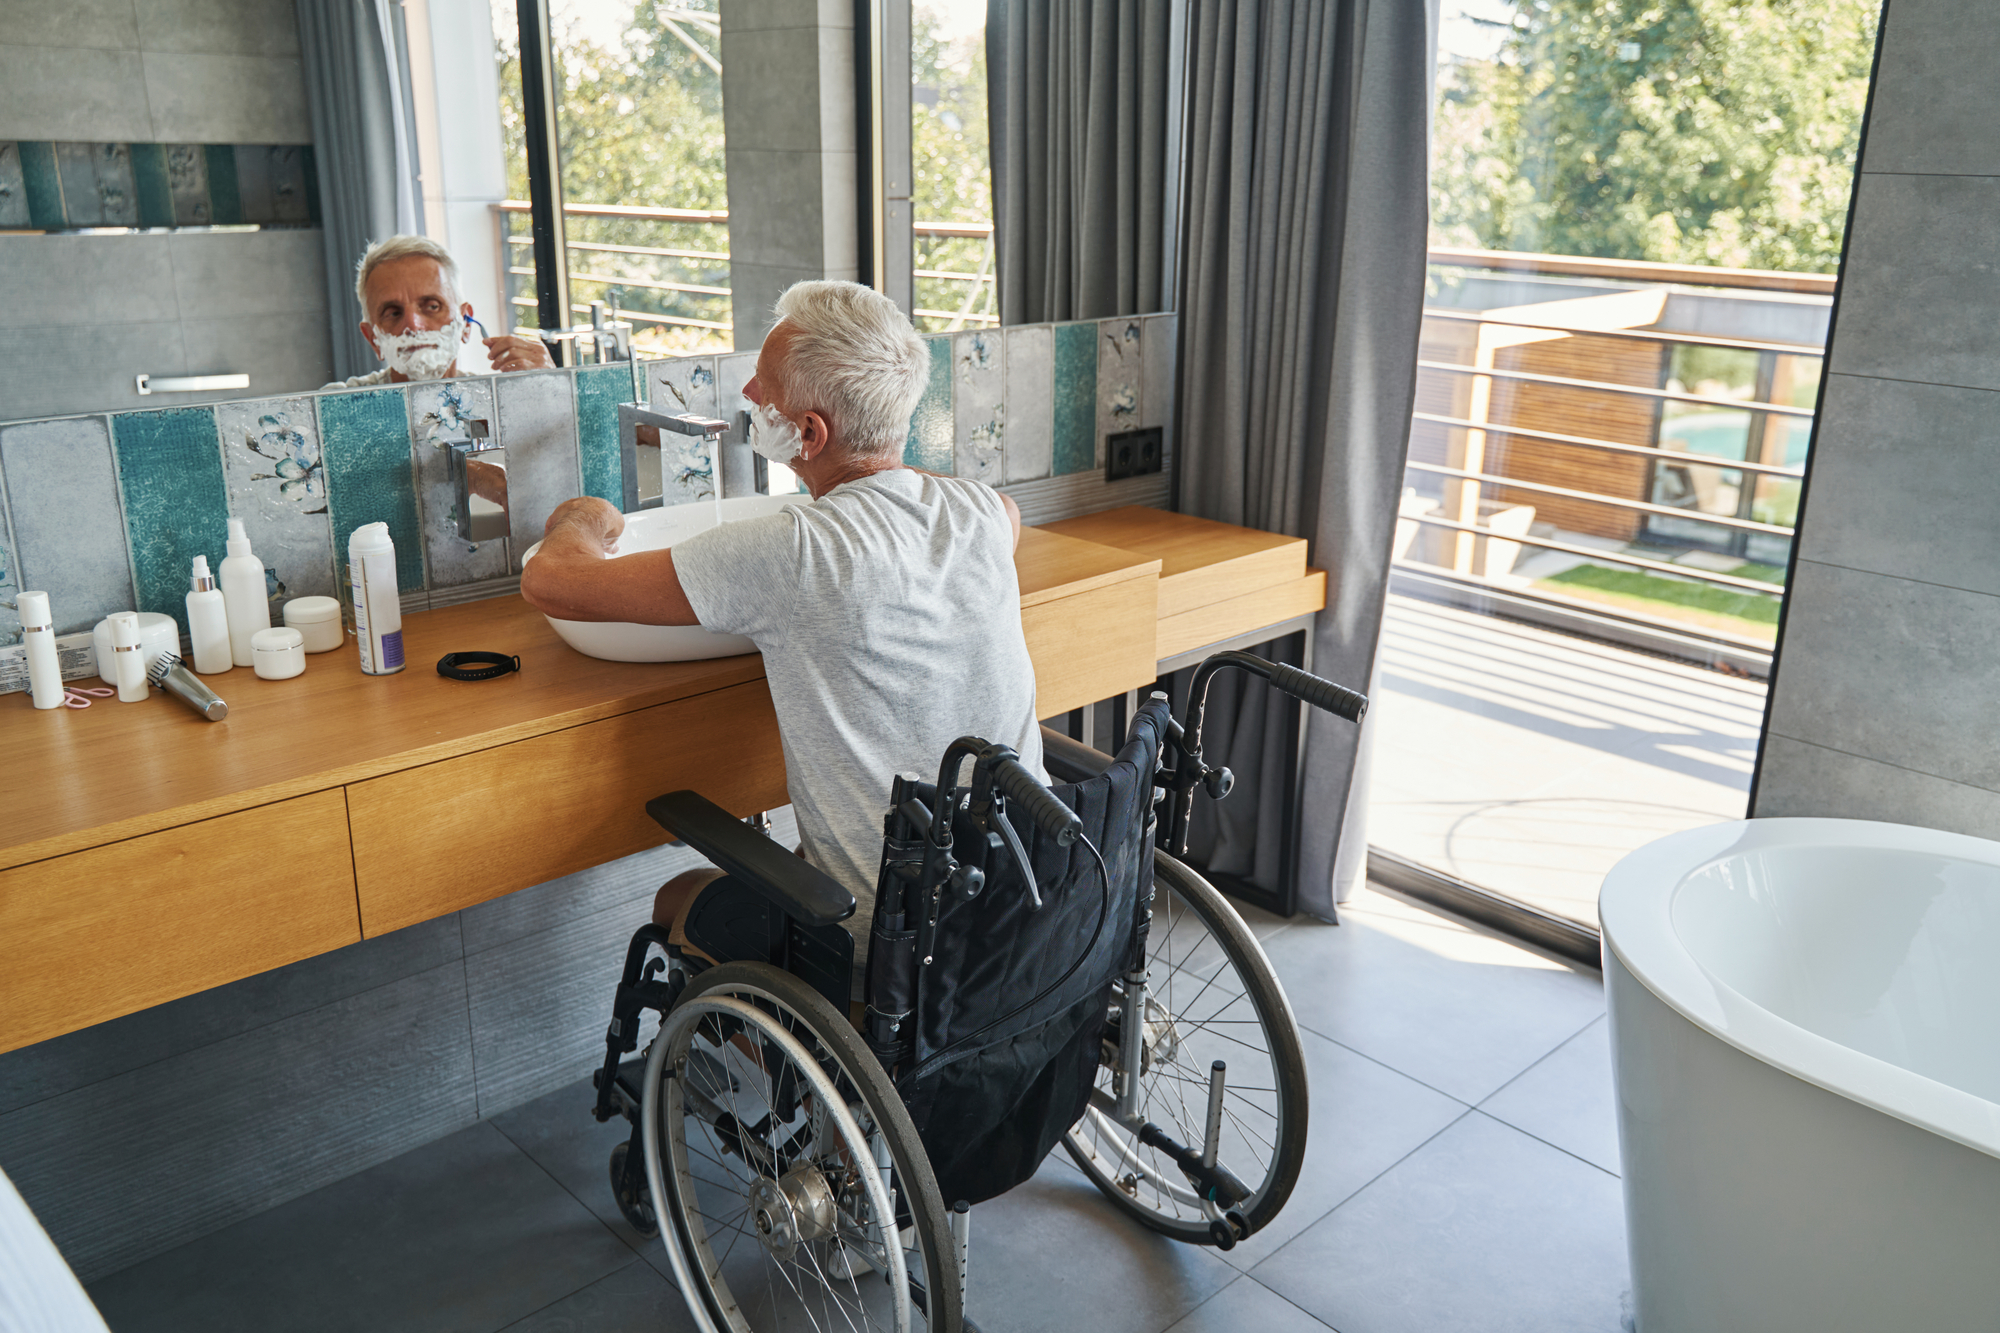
(1133, 453)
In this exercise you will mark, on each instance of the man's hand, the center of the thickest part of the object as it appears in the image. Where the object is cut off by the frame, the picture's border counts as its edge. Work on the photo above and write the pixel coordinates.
(572, 577)
(506, 352)
(591, 519)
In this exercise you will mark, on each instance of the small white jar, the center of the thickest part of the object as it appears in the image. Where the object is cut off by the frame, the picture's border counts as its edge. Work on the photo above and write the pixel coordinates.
(318, 620)
(278, 654)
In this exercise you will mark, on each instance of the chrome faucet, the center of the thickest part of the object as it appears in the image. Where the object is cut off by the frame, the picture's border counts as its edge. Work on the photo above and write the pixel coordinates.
(479, 483)
(639, 428)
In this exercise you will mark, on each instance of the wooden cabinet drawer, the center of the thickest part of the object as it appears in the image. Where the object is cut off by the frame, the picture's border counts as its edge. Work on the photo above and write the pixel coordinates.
(1239, 615)
(1093, 645)
(434, 839)
(99, 933)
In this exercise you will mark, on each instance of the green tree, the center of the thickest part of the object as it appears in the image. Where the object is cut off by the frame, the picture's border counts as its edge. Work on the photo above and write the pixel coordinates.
(1719, 132)
(952, 178)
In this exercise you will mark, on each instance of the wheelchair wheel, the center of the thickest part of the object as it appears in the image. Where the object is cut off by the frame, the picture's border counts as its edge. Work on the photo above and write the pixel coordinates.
(1211, 995)
(791, 1188)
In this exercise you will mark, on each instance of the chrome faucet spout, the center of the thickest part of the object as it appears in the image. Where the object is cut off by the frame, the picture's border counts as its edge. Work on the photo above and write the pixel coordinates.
(639, 428)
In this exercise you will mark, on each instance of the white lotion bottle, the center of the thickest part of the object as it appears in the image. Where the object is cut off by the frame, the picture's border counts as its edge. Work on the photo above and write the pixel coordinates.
(243, 595)
(128, 658)
(208, 623)
(38, 632)
(378, 607)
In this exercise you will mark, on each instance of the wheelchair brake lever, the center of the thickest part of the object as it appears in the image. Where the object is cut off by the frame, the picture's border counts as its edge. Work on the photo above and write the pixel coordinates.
(1015, 849)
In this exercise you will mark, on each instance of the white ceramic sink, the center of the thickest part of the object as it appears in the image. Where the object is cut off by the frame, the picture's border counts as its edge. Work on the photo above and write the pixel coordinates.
(655, 530)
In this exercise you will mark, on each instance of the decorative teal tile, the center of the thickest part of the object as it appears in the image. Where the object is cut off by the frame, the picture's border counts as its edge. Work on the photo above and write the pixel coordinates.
(225, 203)
(176, 501)
(149, 178)
(442, 411)
(599, 390)
(537, 412)
(979, 411)
(1030, 412)
(68, 531)
(929, 446)
(1120, 376)
(43, 186)
(277, 485)
(365, 438)
(1075, 398)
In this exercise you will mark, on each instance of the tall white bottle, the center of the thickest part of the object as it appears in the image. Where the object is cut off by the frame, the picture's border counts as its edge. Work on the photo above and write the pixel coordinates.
(208, 622)
(378, 610)
(243, 595)
(38, 632)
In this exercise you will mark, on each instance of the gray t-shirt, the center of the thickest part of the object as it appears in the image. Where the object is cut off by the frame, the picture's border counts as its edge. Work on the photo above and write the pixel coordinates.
(889, 617)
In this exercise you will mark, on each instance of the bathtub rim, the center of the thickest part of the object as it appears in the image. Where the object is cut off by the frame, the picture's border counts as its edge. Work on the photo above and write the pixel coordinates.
(1636, 920)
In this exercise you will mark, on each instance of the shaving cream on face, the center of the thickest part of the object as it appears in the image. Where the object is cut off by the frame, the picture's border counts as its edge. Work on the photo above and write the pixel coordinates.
(772, 435)
(422, 354)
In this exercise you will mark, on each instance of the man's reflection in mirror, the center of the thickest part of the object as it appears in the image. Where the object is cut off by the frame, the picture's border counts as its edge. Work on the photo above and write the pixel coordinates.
(415, 320)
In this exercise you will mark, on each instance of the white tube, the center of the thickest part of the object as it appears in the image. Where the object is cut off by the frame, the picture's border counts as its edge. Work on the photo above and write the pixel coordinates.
(378, 609)
(128, 658)
(38, 632)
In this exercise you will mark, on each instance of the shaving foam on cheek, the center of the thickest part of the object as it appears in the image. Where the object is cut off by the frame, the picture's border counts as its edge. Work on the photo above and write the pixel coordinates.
(425, 354)
(772, 435)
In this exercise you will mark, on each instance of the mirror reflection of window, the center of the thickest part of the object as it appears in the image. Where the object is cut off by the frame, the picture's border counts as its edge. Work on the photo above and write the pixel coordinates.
(951, 184)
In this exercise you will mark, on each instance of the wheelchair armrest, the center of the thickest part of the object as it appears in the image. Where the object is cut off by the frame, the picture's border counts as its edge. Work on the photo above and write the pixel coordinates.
(1071, 761)
(801, 889)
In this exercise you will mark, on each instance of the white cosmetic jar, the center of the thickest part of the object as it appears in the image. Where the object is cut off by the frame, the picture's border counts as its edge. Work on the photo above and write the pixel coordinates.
(318, 620)
(278, 654)
(157, 634)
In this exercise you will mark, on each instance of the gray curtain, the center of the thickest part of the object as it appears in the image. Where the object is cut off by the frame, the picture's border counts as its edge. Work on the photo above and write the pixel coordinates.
(355, 84)
(1082, 113)
(1301, 297)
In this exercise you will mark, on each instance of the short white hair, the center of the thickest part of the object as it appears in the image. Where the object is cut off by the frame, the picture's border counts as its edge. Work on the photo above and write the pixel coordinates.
(404, 247)
(852, 355)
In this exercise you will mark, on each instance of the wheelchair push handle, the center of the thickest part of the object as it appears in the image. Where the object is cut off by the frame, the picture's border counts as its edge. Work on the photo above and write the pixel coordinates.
(1319, 692)
(1050, 815)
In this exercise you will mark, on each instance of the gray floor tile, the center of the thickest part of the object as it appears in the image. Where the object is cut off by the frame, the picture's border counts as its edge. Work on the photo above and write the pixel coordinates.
(1244, 1305)
(559, 1133)
(1365, 1118)
(1054, 1254)
(1481, 1229)
(635, 1297)
(1566, 1099)
(462, 1234)
(1444, 1004)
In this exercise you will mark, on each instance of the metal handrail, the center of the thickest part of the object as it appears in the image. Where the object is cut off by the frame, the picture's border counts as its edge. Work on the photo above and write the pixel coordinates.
(1635, 270)
(1616, 558)
(1641, 335)
(654, 250)
(1640, 506)
(640, 316)
(628, 211)
(1610, 446)
(1600, 386)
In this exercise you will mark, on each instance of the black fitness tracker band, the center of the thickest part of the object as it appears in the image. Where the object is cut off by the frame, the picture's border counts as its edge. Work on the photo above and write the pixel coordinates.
(459, 666)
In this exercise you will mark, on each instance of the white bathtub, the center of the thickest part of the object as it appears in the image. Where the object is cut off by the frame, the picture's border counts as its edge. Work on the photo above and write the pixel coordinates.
(1805, 1026)
(656, 530)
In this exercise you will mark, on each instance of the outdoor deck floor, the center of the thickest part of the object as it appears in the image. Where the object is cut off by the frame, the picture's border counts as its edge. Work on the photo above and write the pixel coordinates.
(1529, 762)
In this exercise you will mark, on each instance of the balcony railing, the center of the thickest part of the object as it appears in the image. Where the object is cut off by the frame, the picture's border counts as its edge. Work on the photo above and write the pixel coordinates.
(1577, 417)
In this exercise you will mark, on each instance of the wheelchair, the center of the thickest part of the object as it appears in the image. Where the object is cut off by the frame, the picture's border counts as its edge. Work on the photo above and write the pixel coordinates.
(1042, 969)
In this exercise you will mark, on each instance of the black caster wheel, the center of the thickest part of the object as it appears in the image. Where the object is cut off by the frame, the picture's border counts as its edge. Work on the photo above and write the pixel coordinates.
(630, 1190)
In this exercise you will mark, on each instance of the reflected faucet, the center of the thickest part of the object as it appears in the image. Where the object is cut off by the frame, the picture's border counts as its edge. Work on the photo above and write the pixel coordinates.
(479, 483)
(639, 428)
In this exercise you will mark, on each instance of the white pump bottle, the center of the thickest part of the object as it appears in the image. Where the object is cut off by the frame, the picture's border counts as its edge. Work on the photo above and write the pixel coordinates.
(247, 605)
(208, 622)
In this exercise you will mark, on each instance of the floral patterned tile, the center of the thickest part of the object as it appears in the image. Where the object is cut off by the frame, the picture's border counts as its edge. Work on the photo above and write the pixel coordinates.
(684, 384)
(733, 371)
(10, 619)
(931, 426)
(1120, 377)
(365, 438)
(979, 405)
(1030, 452)
(176, 500)
(537, 427)
(67, 522)
(442, 411)
(1075, 396)
(277, 486)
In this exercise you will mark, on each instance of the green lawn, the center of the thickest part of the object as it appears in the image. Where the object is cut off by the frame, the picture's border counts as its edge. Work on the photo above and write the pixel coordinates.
(1706, 604)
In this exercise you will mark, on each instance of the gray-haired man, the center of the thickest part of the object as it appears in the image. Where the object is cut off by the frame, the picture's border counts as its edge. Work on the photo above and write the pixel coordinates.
(415, 321)
(887, 610)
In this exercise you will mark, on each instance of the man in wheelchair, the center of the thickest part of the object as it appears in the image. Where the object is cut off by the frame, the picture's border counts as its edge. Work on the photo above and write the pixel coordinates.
(1034, 970)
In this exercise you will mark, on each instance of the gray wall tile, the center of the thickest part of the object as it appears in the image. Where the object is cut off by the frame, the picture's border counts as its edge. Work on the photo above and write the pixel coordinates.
(320, 1096)
(1935, 108)
(226, 27)
(58, 370)
(1895, 465)
(300, 361)
(1922, 281)
(103, 23)
(180, 1027)
(68, 93)
(772, 220)
(438, 413)
(772, 98)
(219, 274)
(1890, 669)
(204, 98)
(538, 429)
(69, 529)
(1156, 400)
(754, 292)
(277, 486)
(1030, 410)
(750, 15)
(1798, 778)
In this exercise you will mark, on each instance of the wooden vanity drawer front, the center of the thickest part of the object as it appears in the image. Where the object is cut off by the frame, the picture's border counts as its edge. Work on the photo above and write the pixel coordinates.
(442, 837)
(1092, 646)
(99, 933)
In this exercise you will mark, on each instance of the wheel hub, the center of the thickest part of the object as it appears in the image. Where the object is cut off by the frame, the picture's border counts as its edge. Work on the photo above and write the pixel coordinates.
(795, 1208)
